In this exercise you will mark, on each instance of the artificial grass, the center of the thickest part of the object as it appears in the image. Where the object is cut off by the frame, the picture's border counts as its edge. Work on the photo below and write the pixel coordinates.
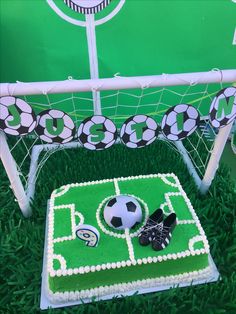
(22, 240)
(229, 157)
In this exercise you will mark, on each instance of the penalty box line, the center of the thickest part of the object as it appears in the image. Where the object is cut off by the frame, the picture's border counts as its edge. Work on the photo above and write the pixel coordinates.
(117, 188)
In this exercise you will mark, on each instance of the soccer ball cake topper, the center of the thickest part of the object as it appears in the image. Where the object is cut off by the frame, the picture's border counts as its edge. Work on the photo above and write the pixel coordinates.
(180, 121)
(16, 116)
(122, 212)
(223, 107)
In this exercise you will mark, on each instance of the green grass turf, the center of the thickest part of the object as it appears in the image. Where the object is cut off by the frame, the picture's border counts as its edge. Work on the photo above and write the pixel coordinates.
(22, 240)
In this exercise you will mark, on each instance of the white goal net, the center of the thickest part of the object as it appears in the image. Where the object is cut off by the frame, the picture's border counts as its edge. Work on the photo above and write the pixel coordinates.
(119, 98)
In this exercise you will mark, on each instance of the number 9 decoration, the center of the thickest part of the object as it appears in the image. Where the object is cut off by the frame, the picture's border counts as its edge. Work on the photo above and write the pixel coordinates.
(89, 234)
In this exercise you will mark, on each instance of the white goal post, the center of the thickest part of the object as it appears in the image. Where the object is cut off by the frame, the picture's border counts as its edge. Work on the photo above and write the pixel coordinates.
(25, 195)
(117, 82)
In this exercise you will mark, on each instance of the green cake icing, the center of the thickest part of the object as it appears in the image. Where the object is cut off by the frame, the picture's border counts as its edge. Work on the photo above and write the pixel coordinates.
(119, 264)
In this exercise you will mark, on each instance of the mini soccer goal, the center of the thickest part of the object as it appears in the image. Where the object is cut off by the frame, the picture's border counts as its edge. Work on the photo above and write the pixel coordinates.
(118, 99)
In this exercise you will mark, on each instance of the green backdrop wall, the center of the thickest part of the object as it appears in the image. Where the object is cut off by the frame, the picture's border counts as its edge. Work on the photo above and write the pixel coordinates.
(146, 37)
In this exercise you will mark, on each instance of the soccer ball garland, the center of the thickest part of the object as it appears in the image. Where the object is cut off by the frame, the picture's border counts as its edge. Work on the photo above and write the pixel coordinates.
(122, 212)
(16, 116)
(98, 132)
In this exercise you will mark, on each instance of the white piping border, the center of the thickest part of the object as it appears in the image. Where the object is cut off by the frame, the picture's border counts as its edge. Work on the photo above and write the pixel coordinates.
(125, 287)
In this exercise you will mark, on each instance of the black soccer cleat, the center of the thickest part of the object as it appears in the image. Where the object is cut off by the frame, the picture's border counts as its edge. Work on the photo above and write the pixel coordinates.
(163, 237)
(148, 231)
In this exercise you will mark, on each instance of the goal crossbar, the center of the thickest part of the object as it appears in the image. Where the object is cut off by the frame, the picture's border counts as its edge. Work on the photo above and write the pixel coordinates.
(116, 83)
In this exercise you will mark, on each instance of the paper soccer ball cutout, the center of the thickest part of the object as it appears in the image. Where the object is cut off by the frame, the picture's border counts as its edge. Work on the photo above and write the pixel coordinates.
(55, 126)
(138, 131)
(87, 6)
(122, 212)
(223, 107)
(16, 116)
(179, 122)
(97, 133)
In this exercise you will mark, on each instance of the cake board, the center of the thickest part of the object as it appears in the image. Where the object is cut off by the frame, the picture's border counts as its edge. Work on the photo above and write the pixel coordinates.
(45, 303)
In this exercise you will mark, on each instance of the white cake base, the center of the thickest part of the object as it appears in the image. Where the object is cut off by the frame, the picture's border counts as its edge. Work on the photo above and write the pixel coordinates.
(45, 303)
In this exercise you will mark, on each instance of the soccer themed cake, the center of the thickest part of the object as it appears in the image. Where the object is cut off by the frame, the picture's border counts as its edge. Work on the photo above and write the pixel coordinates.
(124, 234)
(87, 87)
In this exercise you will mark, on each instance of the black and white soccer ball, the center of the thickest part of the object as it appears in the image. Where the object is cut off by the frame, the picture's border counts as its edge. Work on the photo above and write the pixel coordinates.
(229, 94)
(24, 123)
(122, 212)
(67, 132)
(129, 135)
(105, 128)
(169, 125)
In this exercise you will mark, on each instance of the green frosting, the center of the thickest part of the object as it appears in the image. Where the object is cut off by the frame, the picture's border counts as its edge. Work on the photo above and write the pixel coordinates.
(127, 274)
(111, 249)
